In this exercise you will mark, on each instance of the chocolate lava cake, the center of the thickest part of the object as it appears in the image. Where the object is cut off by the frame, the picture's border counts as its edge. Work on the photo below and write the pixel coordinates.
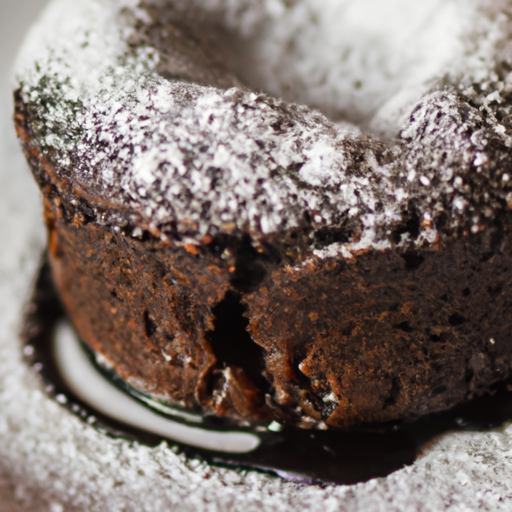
(243, 255)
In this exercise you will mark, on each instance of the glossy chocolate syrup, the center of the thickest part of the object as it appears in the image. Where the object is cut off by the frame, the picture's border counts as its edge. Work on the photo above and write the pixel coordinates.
(336, 456)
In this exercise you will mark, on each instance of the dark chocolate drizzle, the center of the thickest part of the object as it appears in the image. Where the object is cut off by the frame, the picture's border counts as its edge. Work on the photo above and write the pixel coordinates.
(335, 456)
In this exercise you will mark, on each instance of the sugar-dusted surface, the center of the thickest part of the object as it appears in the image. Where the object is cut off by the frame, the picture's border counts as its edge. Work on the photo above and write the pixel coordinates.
(197, 160)
(360, 61)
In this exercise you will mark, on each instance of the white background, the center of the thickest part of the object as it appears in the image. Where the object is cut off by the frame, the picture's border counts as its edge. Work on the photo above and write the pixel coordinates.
(15, 18)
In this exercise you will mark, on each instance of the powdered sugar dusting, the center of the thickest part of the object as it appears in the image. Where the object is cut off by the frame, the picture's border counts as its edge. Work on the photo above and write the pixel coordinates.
(197, 160)
(365, 61)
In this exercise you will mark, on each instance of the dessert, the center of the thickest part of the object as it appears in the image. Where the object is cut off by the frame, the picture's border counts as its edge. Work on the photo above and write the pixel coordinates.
(243, 256)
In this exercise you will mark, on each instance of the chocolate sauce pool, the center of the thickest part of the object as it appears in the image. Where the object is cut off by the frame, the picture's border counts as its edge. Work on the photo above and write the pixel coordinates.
(336, 456)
